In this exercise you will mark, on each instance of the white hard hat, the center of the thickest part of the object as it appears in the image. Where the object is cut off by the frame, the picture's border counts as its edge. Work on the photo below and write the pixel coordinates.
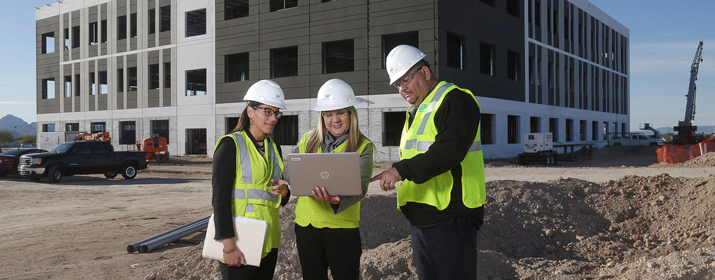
(335, 94)
(267, 92)
(401, 59)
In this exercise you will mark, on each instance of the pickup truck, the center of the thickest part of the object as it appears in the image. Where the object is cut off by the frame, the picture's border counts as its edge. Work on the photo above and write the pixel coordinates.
(636, 139)
(81, 157)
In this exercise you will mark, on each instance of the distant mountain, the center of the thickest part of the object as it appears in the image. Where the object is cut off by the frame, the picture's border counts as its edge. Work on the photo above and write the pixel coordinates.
(9, 122)
(701, 129)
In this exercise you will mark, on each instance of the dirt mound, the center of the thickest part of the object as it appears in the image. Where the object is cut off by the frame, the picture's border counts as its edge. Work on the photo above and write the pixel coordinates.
(633, 228)
(705, 160)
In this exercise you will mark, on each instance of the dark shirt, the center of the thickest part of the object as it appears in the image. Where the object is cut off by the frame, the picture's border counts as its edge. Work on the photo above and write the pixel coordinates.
(224, 175)
(457, 121)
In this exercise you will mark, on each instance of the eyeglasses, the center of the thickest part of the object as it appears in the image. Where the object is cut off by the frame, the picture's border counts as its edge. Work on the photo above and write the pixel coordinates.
(330, 115)
(269, 112)
(407, 79)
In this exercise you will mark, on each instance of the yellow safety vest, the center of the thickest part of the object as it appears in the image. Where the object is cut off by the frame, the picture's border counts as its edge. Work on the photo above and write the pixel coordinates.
(418, 137)
(251, 197)
(310, 211)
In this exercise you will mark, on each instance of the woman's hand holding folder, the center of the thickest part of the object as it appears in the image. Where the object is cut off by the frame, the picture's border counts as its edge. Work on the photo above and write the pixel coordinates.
(231, 254)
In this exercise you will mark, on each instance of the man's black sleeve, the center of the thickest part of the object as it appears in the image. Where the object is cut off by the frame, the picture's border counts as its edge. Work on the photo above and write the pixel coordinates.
(457, 121)
(224, 175)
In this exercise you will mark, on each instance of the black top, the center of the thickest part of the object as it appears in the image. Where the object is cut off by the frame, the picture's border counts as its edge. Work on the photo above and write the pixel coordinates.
(224, 175)
(457, 121)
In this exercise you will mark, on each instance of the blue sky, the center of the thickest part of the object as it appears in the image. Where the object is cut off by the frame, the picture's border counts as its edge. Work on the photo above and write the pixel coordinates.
(664, 37)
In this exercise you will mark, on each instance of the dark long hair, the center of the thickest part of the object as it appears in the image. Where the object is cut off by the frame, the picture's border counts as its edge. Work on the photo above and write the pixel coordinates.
(244, 122)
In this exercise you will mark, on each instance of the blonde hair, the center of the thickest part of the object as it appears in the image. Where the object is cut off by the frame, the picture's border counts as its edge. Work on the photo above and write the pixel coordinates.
(355, 137)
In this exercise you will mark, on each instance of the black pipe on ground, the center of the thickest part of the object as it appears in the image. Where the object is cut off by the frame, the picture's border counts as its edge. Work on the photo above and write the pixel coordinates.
(170, 234)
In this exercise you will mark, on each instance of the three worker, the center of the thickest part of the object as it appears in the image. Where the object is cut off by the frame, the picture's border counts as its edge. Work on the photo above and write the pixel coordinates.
(439, 179)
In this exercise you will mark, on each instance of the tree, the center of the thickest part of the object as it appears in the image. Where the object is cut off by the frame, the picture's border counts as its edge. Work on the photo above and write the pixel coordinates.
(6, 136)
(29, 139)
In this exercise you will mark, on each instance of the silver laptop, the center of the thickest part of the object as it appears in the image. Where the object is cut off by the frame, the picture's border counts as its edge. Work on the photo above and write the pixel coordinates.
(339, 173)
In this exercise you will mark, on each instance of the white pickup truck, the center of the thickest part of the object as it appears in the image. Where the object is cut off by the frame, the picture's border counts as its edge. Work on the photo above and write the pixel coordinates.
(635, 139)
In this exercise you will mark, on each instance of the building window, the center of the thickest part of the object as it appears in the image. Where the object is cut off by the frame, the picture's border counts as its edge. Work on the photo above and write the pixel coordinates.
(93, 38)
(48, 127)
(537, 13)
(77, 87)
(132, 79)
(165, 18)
(391, 41)
(167, 74)
(127, 133)
(48, 88)
(283, 4)
(338, 56)
(535, 125)
(72, 127)
(512, 65)
(512, 7)
(569, 130)
(284, 62)
(532, 70)
(161, 128)
(236, 67)
(104, 30)
(235, 9)
(392, 125)
(133, 25)
(513, 129)
(554, 128)
(582, 130)
(75, 37)
(286, 131)
(120, 80)
(154, 76)
(231, 123)
(121, 27)
(196, 82)
(455, 50)
(152, 21)
(550, 78)
(68, 86)
(486, 126)
(196, 23)
(594, 130)
(92, 86)
(66, 38)
(488, 2)
(48, 42)
(605, 131)
(98, 127)
(103, 88)
(486, 58)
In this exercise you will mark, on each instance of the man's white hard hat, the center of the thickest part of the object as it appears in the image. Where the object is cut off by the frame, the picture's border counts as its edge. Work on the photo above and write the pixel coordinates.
(401, 59)
(267, 92)
(336, 94)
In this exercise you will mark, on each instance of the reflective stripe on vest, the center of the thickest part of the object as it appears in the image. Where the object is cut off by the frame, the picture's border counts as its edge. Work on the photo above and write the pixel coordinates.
(247, 175)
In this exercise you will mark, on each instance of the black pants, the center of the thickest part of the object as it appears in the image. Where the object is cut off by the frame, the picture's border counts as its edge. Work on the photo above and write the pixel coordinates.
(320, 248)
(249, 272)
(447, 250)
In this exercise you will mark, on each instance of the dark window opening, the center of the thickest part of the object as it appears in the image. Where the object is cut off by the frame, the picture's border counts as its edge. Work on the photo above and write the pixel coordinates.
(98, 127)
(92, 85)
(48, 42)
(68, 86)
(66, 38)
(282, 4)
(152, 21)
(154, 76)
(103, 88)
(338, 56)
(512, 60)
(48, 88)
(391, 41)
(75, 37)
(167, 74)
(594, 130)
(196, 23)
(120, 80)
(72, 127)
(235, 9)
(236, 67)
(196, 141)
(48, 127)
(121, 27)
(537, 13)
(512, 7)
(535, 125)
(196, 82)
(165, 18)
(286, 131)
(77, 87)
(104, 30)
(569, 130)
(133, 26)
(284, 62)
(93, 38)
(486, 126)
(582, 130)
(392, 125)
(486, 58)
(455, 50)
(132, 79)
(554, 128)
(231, 123)
(161, 128)
(127, 133)
(513, 129)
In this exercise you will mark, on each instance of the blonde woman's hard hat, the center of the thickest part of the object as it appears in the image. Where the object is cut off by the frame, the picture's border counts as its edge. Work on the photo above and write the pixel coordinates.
(336, 94)
(267, 92)
(401, 59)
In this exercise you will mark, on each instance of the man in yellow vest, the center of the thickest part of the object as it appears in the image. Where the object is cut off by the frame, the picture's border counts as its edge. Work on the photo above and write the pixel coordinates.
(440, 177)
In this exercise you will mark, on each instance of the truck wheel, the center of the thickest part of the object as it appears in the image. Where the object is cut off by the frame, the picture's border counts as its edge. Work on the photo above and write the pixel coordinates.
(110, 175)
(129, 171)
(160, 158)
(55, 174)
(35, 178)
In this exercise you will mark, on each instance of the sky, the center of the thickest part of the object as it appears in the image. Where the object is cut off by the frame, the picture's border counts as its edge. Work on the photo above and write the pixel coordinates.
(664, 38)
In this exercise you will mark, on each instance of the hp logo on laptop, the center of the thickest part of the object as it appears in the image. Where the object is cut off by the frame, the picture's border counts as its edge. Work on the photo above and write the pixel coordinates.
(324, 174)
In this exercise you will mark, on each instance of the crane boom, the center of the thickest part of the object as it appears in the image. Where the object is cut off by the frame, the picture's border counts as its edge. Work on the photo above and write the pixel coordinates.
(690, 106)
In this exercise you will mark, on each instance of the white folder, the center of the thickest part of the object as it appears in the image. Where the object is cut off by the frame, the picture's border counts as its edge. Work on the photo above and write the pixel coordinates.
(250, 235)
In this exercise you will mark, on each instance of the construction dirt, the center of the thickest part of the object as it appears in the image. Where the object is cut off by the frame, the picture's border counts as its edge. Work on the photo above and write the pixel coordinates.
(613, 215)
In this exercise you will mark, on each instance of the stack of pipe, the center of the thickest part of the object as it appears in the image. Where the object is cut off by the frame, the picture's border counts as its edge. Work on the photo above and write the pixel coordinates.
(151, 243)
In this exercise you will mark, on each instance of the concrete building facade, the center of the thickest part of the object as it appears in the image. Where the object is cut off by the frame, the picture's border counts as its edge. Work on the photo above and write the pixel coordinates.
(180, 69)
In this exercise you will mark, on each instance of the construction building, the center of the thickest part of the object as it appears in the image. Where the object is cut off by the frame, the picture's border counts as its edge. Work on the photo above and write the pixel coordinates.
(180, 69)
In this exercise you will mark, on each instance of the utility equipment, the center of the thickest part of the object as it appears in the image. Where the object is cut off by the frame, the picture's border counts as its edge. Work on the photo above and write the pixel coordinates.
(538, 148)
(156, 148)
(647, 126)
(686, 130)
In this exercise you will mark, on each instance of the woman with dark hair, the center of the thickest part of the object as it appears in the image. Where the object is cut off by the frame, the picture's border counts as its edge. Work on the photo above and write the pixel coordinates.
(247, 165)
(326, 228)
